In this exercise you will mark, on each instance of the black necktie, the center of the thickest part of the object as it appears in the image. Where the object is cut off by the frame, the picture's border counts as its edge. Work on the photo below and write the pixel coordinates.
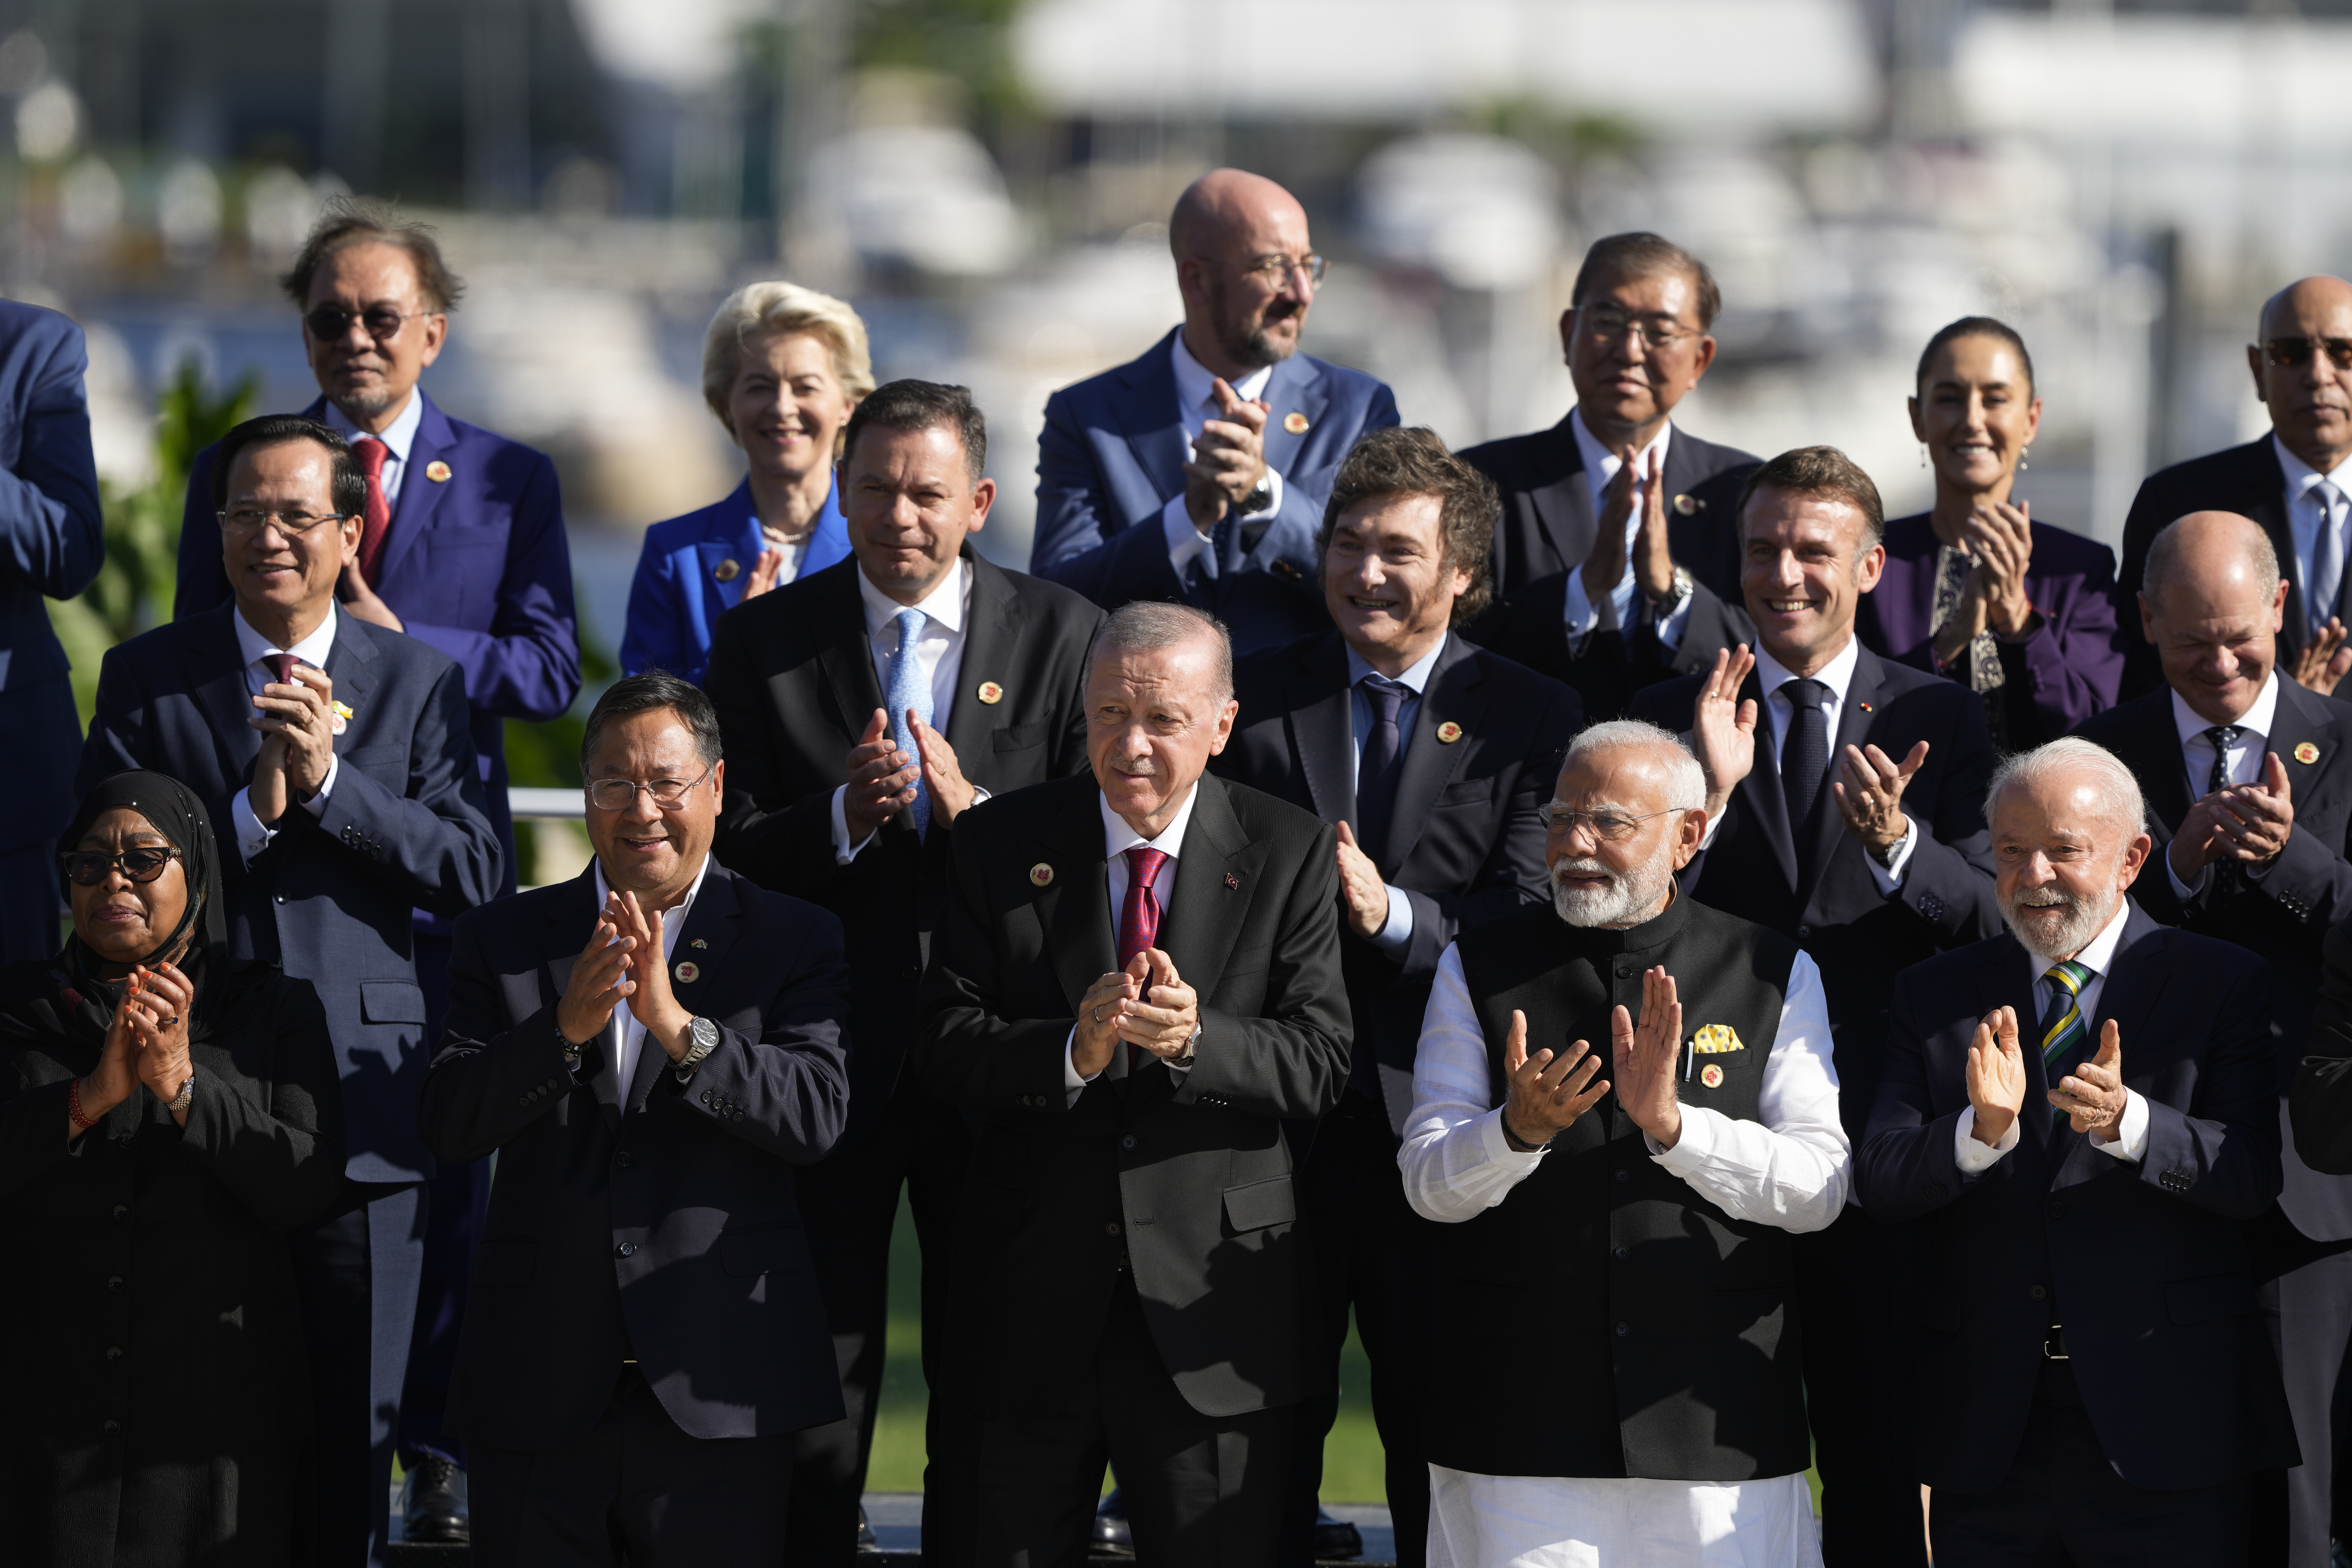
(1805, 754)
(1376, 772)
(2223, 737)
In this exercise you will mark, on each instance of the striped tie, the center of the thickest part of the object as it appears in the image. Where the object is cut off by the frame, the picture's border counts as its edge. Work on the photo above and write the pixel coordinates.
(2064, 1030)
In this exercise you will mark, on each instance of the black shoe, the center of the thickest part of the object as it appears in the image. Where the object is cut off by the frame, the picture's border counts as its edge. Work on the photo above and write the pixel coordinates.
(1336, 1540)
(433, 1503)
(1111, 1533)
(865, 1542)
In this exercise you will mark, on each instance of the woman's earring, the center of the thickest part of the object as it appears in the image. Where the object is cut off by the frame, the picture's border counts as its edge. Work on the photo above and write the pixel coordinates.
(2023, 453)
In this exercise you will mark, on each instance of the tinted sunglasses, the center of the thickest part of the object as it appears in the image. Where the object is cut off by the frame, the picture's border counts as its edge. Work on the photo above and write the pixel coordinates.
(383, 322)
(90, 868)
(2294, 354)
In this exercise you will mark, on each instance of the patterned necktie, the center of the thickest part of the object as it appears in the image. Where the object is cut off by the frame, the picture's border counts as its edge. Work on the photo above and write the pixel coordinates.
(1805, 754)
(2327, 558)
(909, 689)
(2064, 1027)
(376, 515)
(1376, 771)
(1139, 919)
(2223, 737)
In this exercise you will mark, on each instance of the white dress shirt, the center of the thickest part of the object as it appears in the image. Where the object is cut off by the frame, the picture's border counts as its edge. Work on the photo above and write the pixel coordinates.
(1581, 615)
(1196, 403)
(1972, 1154)
(1396, 933)
(1117, 839)
(2245, 764)
(938, 653)
(623, 1033)
(1779, 712)
(398, 437)
(252, 837)
(2308, 510)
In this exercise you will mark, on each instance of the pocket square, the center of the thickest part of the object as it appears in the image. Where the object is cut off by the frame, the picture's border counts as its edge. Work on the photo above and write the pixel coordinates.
(1714, 1038)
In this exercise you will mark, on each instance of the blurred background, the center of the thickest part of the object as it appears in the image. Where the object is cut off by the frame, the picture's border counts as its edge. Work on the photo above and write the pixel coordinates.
(988, 181)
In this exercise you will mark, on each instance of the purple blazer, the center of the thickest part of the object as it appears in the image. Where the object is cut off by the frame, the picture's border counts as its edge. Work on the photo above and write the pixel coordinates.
(2066, 671)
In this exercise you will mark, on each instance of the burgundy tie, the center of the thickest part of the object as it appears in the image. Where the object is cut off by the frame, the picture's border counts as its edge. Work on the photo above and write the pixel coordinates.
(281, 667)
(1139, 920)
(377, 516)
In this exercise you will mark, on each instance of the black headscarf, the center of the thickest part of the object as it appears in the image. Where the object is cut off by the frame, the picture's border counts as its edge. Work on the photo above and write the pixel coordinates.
(173, 810)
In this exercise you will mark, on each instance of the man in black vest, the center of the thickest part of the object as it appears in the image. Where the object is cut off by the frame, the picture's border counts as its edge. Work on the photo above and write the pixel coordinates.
(1660, 1406)
(1433, 758)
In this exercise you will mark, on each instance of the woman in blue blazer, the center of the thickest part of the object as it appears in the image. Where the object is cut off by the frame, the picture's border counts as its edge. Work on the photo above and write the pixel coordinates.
(783, 366)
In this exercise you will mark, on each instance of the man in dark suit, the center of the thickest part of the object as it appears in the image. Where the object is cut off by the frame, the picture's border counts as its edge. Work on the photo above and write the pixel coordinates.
(2247, 780)
(1130, 1281)
(1197, 472)
(56, 541)
(1615, 563)
(651, 1049)
(334, 761)
(2081, 1113)
(2295, 481)
(839, 722)
(1849, 821)
(462, 547)
(1433, 758)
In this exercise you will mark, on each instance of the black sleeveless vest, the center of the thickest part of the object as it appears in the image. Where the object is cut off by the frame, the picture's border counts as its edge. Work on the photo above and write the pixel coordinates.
(1605, 1318)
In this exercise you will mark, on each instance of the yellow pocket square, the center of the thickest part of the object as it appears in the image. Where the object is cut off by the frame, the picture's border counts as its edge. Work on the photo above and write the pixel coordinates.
(1717, 1037)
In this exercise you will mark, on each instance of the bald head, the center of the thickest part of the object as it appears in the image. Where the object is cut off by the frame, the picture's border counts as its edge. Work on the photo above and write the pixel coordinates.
(1226, 206)
(1231, 232)
(2212, 603)
(2307, 391)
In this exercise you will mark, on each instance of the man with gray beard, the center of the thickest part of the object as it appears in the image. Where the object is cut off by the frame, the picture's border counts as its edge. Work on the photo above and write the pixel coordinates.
(1642, 1219)
(2082, 1114)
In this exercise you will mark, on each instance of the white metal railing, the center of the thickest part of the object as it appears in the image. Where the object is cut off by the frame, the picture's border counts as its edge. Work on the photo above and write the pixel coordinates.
(546, 804)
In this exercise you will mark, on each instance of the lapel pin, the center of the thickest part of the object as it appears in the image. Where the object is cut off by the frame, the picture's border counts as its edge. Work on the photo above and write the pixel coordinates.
(1285, 570)
(1686, 505)
(989, 693)
(1294, 422)
(699, 942)
(437, 472)
(1041, 875)
(343, 716)
(1865, 707)
(687, 973)
(2306, 753)
(727, 571)
(1711, 1075)
(1233, 882)
(1448, 732)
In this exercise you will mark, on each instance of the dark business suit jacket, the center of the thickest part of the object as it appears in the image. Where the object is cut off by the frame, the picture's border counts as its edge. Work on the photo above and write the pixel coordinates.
(475, 567)
(2246, 480)
(1861, 938)
(1112, 455)
(2068, 669)
(1464, 844)
(2144, 1265)
(791, 674)
(1184, 1176)
(653, 1219)
(329, 900)
(2285, 913)
(2321, 1102)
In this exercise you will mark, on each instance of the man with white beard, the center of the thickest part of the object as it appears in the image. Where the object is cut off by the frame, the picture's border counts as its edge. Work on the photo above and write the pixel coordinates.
(2082, 1113)
(1613, 1357)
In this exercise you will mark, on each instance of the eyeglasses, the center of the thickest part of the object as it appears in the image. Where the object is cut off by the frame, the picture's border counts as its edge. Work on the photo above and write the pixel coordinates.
(2294, 354)
(1274, 271)
(92, 868)
(383, 322)
(1612, 826)
(293, 525)
(1609, 323)
(619, 794)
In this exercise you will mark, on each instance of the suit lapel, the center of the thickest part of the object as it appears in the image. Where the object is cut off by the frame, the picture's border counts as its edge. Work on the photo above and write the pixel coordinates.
(1856, 714)
(1150, 419)
(847, 655)
(569, 921)
(351, 665)
(420, 494)
(1454, 694)
(2300, 718)
(1216, 877)
(712, 920)
(1320, 728)
(992, 631)
(1688, 535)
(223, 692)
(1295, 388)
(2267, 507)
(1564, 507)
(1760, 791)
(2151, 749)
(1075, 907)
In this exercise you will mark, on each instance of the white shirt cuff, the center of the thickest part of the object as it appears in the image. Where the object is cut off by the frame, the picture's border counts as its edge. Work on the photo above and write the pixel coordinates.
(2131, 1139)
(2181, 889)
(1184, 540)
(252, 838)
(1890, 876)
(1073, 1085)
(1497, 1148)
(316, 804)
(1671, 629)
(1975, 1157)
(1393, 937)
(844, 851)
(1690, 1149)
(1713, 821)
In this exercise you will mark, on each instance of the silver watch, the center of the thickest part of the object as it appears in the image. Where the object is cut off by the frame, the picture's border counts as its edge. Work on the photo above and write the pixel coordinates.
(705, 1036)
(185, 1097)
(1677, 596)
(1191, 1049)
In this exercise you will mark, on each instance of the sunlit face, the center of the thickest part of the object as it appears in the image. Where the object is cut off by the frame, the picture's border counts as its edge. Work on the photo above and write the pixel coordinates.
(1614, 883)
(276, 570)
(2310, 403)
(122, 920)
(786, 408)
(909, 500)
(2215, 625)
(1621, 378)
(2061, 861)
(1803, 573)
(650, 850)
(1385, 577)
(1976, 412)
(361, 374)
(1255, 310)
(1153, 720)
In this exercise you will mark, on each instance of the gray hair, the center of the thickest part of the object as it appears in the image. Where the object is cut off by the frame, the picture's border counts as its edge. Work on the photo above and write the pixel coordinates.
(1150, 625)
(2163, 556)
(1685, 781)
(2070, 753)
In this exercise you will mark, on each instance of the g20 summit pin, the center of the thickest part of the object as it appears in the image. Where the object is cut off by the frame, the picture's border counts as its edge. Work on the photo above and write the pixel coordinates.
(1041, 875)
(437, 472)
(989, 693)
(1448, 732)
(1294, 422)
(2306, 753)
(687, 973)
(1711, 1075)
(727, 571)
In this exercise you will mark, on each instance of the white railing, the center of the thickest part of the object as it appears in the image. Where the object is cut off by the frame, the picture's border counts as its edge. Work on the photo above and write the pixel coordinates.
(546, 804)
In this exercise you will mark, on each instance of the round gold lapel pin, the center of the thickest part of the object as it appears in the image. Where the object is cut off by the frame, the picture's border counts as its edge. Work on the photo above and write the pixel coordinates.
(437, 472)
(1449, 733)
(1711, 1075)
(1041, 874)
(1294, 422)
(2306, 753)
(687, 973)
(1686, 505)
(989, 693)
(727, 571)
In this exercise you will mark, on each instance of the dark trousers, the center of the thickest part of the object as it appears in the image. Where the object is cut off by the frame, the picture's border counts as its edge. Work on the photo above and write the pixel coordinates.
(2062, 1506)
(849, 1203)
(635, 1489)
(461, 1196)
(1202, 1491)
(32, 906)
(1854, 1306)
(356, 1272)
(2305, 1294)
(1372, 1251)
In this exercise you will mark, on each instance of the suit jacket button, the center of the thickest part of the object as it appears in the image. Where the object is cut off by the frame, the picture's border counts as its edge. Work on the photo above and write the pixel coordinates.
(621, 1158)
(1805, 933)
(114, 1281)
(2057, 1209)
(121, 1212)
(114, 1353)
(626, 1249)
(1625, 1175)
(113, 1428)
(2035, 1292)
(1624, 1330)
(1111, 1229)
(1623, 1253)
(1127, 1141)
(1932, 906)
(1937, 1189)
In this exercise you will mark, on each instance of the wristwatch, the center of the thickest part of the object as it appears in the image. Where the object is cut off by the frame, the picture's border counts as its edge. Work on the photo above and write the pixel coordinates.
(1192, 1049)
(705, 1036)
(570, 1052)
(1677, 596)
(186, 1096)
(1259, 500)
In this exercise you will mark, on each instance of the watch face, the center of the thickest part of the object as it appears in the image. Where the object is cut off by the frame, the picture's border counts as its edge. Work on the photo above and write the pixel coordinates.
(706, 1035)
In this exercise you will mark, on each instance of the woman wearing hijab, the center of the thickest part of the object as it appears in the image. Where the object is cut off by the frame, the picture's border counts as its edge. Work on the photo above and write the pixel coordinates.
(165, 1114)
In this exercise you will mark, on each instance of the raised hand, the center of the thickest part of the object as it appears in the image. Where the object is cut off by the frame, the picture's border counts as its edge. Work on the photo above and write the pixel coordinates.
(881, 779)
(651, 1001)
(1869, 794)
(600, 982)
(1647, 1055)
(1228, 460)
(2324, 660)
(1547, 1093)
(951, 792)
(1653, 553)
(117, 1073)
(2259, 817)
(1363, 896)
(158, 1012)
(1723, 728)
(360, 599)
(1605, 564)
(1099, 1012)
(1996, 1076)
(2092, 1096)
(764, 573)
(1163, 1019)
(2001, 537)
(300, 716)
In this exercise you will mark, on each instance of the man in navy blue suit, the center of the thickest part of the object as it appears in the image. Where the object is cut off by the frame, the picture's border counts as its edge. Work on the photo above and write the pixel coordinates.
(54, 542)
(462, 547)
(1124, 513)
(334, 761)
(2082, 1113)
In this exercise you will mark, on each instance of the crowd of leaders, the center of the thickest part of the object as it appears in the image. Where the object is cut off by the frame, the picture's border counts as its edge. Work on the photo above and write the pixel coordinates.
(1711, 980)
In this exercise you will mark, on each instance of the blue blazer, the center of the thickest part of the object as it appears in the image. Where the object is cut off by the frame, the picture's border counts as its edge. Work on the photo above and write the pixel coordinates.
(678, 596)
(476, 567)
(54, 542)
(1112, 455)
(329, 900)
(2145, 1265)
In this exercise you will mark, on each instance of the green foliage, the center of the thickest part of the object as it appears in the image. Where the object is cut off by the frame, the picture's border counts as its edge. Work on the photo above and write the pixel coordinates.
(966, 39)
(134, 590)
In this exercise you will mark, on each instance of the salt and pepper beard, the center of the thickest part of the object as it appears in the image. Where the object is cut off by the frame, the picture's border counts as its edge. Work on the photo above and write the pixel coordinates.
(2083, 921)
(1627, 900)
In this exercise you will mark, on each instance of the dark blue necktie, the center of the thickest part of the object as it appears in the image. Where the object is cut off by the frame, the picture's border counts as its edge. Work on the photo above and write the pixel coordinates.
(1804, 754)
(1376, 771)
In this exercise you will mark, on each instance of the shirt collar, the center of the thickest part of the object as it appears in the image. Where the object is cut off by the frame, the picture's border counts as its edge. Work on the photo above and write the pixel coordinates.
(673, 919)
(2098, 955)
(2256, 720)
(1600, 464)
(2301, 475)
(944, 604)
(1119, 837)
(1837, 675)
(1194, 387)
(397, 439)
(1416, 674)
(311, 650)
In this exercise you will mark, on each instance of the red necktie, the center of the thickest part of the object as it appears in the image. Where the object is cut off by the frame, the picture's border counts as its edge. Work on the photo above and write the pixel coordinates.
(1139, 920)
(281, 667)
(372, 454)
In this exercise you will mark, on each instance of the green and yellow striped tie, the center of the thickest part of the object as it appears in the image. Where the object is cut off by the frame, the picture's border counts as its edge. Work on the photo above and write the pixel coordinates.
(2064, 1028)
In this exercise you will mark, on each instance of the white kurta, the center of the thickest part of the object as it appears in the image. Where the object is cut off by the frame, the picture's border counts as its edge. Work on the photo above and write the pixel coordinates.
(1792, 1170)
